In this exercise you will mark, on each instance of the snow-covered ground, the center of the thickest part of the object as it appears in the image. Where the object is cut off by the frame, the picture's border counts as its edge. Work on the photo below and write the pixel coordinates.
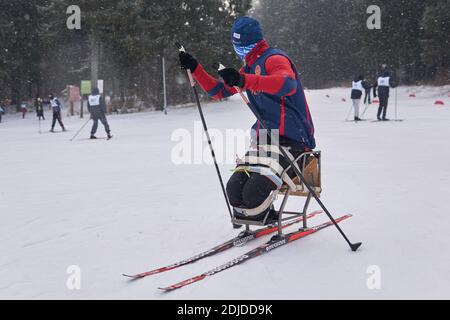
(118, 206)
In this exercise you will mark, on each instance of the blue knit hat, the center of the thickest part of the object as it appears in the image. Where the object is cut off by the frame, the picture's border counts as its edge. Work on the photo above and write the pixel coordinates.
(246, 31)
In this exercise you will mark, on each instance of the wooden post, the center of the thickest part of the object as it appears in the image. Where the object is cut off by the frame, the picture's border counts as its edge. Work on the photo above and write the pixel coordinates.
(71, 111)
(81, 106)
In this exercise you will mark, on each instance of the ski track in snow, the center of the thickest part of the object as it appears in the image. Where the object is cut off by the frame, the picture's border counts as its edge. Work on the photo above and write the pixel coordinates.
(122, 206)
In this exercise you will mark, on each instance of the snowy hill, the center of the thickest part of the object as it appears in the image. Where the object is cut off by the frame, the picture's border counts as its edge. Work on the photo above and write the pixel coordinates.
(122, 205)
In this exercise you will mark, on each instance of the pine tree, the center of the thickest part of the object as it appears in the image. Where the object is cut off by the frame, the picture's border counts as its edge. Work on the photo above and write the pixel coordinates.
(436, 40)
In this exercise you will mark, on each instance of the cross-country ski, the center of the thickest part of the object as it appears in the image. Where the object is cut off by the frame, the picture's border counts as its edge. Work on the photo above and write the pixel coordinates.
(243, 238)
(264, 248)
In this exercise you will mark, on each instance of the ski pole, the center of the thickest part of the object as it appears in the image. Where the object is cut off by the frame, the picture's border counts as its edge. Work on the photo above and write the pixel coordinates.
(348, 113)
(396, 104)
(82, 127)
(364, 112)
(205, 128)
(353, 246)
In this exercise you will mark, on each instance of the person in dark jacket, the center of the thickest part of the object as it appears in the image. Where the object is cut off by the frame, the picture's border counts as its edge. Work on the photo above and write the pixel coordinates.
(97, 109)
(273, 86)
(367, 95)
(359, 85)
(38, 104)
(384, 83)
(2, 111)
(56, 109)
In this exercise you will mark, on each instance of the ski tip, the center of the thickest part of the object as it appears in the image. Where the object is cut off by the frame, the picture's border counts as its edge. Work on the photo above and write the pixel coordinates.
(131, 277)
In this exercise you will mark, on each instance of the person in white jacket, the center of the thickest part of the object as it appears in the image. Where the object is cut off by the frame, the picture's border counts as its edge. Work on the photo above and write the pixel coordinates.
(359, 85)
(97, 109)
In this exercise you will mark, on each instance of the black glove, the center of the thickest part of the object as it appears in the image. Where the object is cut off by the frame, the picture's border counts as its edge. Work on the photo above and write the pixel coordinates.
(232, 77)
(187, 61)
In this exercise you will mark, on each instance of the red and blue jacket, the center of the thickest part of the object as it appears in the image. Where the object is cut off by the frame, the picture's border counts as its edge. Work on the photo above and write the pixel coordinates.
(274, 88)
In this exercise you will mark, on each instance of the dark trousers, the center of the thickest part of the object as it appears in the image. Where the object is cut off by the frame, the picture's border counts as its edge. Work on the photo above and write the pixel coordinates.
(57, 116)
(383, 106)
(250, 190)
(367, 97)
(40, 114)
(102, 118)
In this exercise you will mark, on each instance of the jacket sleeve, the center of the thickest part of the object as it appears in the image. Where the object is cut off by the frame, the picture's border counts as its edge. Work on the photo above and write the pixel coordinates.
(280, 79)
(89, 106)
(216, 89)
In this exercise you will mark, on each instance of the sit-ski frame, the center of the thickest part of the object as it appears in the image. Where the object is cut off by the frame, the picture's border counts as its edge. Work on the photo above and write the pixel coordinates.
(300, 191)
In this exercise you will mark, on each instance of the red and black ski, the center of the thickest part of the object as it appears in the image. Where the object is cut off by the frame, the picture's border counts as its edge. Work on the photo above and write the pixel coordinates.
(268, 246)
(237, 241)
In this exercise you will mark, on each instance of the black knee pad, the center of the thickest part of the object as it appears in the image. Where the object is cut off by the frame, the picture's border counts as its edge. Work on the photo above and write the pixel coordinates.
(234, 188)
(256, 190)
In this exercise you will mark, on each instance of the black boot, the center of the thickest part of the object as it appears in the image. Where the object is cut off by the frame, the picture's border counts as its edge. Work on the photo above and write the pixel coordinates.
(93, 137)
(272, 216)
(109, 136)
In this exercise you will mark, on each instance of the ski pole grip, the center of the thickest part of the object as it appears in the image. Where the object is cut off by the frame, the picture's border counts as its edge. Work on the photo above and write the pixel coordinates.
(189, 73)
(220, 67)
(180, 47)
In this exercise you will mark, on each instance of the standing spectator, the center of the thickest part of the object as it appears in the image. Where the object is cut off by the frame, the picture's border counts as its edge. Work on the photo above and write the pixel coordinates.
(384, 83)
(97, 109)
(39, 108)
(56, 108)
(358, 87)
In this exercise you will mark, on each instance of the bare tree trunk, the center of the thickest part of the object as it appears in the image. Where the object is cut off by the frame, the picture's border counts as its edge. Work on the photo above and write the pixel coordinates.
(94, 57)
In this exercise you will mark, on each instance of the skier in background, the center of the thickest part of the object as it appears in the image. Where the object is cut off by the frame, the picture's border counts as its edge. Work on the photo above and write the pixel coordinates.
(56, 108)
(359, 85)
(97, 109)
(273, 86)
(368, 89)
(38, 104)
(23, 109)
(384, 83)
